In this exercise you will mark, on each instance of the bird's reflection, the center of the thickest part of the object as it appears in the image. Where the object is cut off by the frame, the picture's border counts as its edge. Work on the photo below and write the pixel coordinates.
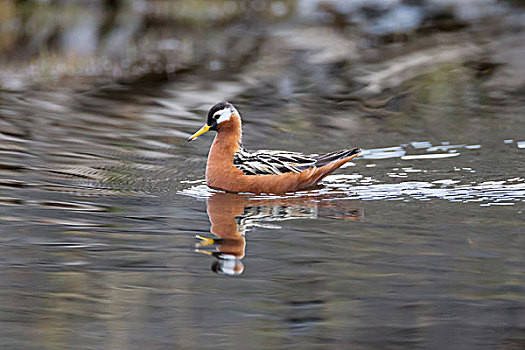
(231, 215)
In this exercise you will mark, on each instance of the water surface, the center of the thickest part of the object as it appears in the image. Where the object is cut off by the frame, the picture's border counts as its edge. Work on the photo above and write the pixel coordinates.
(102, 200)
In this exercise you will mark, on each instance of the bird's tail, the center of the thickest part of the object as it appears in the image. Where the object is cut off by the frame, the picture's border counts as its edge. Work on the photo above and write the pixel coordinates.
(328, 158)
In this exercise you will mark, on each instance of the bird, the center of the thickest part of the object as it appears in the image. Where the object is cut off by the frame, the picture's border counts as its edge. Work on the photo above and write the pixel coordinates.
(232, 168)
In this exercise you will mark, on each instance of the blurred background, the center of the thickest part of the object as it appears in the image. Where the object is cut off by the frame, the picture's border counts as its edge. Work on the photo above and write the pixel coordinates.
(418, 243)
(334, 42)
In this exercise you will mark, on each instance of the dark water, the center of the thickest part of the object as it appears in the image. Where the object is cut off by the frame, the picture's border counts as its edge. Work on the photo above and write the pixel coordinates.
(110, 239)
(418, 243)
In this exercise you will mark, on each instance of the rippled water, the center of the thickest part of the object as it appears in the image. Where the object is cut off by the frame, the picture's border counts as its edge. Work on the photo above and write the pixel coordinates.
(110, 239)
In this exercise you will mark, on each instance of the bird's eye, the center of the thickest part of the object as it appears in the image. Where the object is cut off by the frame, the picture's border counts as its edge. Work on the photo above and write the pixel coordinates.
(216, 116)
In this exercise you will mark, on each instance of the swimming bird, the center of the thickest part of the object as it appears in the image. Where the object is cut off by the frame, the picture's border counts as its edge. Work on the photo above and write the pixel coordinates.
(232, 168)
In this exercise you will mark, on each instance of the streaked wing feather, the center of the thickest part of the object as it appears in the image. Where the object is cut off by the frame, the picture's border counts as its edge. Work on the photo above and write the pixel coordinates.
(271, 162)
(267, 162)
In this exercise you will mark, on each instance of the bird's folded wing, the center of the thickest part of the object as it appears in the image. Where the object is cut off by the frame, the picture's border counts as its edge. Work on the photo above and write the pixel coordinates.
(266, 162)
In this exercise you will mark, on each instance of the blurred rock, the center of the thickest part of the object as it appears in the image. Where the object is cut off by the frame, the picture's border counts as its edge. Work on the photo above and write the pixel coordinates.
(338, 50)
(509, 54)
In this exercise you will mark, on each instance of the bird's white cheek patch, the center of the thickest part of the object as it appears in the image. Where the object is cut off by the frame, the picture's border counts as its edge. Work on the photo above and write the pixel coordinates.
(224, 115)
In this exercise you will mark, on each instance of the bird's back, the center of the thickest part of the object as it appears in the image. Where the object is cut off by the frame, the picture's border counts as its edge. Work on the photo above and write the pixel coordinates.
(266, 162)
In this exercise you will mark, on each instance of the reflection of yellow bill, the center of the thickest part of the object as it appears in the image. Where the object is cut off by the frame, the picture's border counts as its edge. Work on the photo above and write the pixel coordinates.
(203, 251)
(204, 241)
(201, 131)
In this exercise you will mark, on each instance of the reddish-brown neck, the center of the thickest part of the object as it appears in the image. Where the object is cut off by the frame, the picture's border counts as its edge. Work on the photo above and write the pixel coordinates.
(222, 151)
(229, 136)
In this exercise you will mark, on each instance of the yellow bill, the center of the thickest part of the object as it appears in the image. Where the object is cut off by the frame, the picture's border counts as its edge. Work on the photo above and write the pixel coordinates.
(201, 131)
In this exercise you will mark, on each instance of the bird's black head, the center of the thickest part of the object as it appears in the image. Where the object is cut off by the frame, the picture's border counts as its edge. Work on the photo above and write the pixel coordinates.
(219, 113)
